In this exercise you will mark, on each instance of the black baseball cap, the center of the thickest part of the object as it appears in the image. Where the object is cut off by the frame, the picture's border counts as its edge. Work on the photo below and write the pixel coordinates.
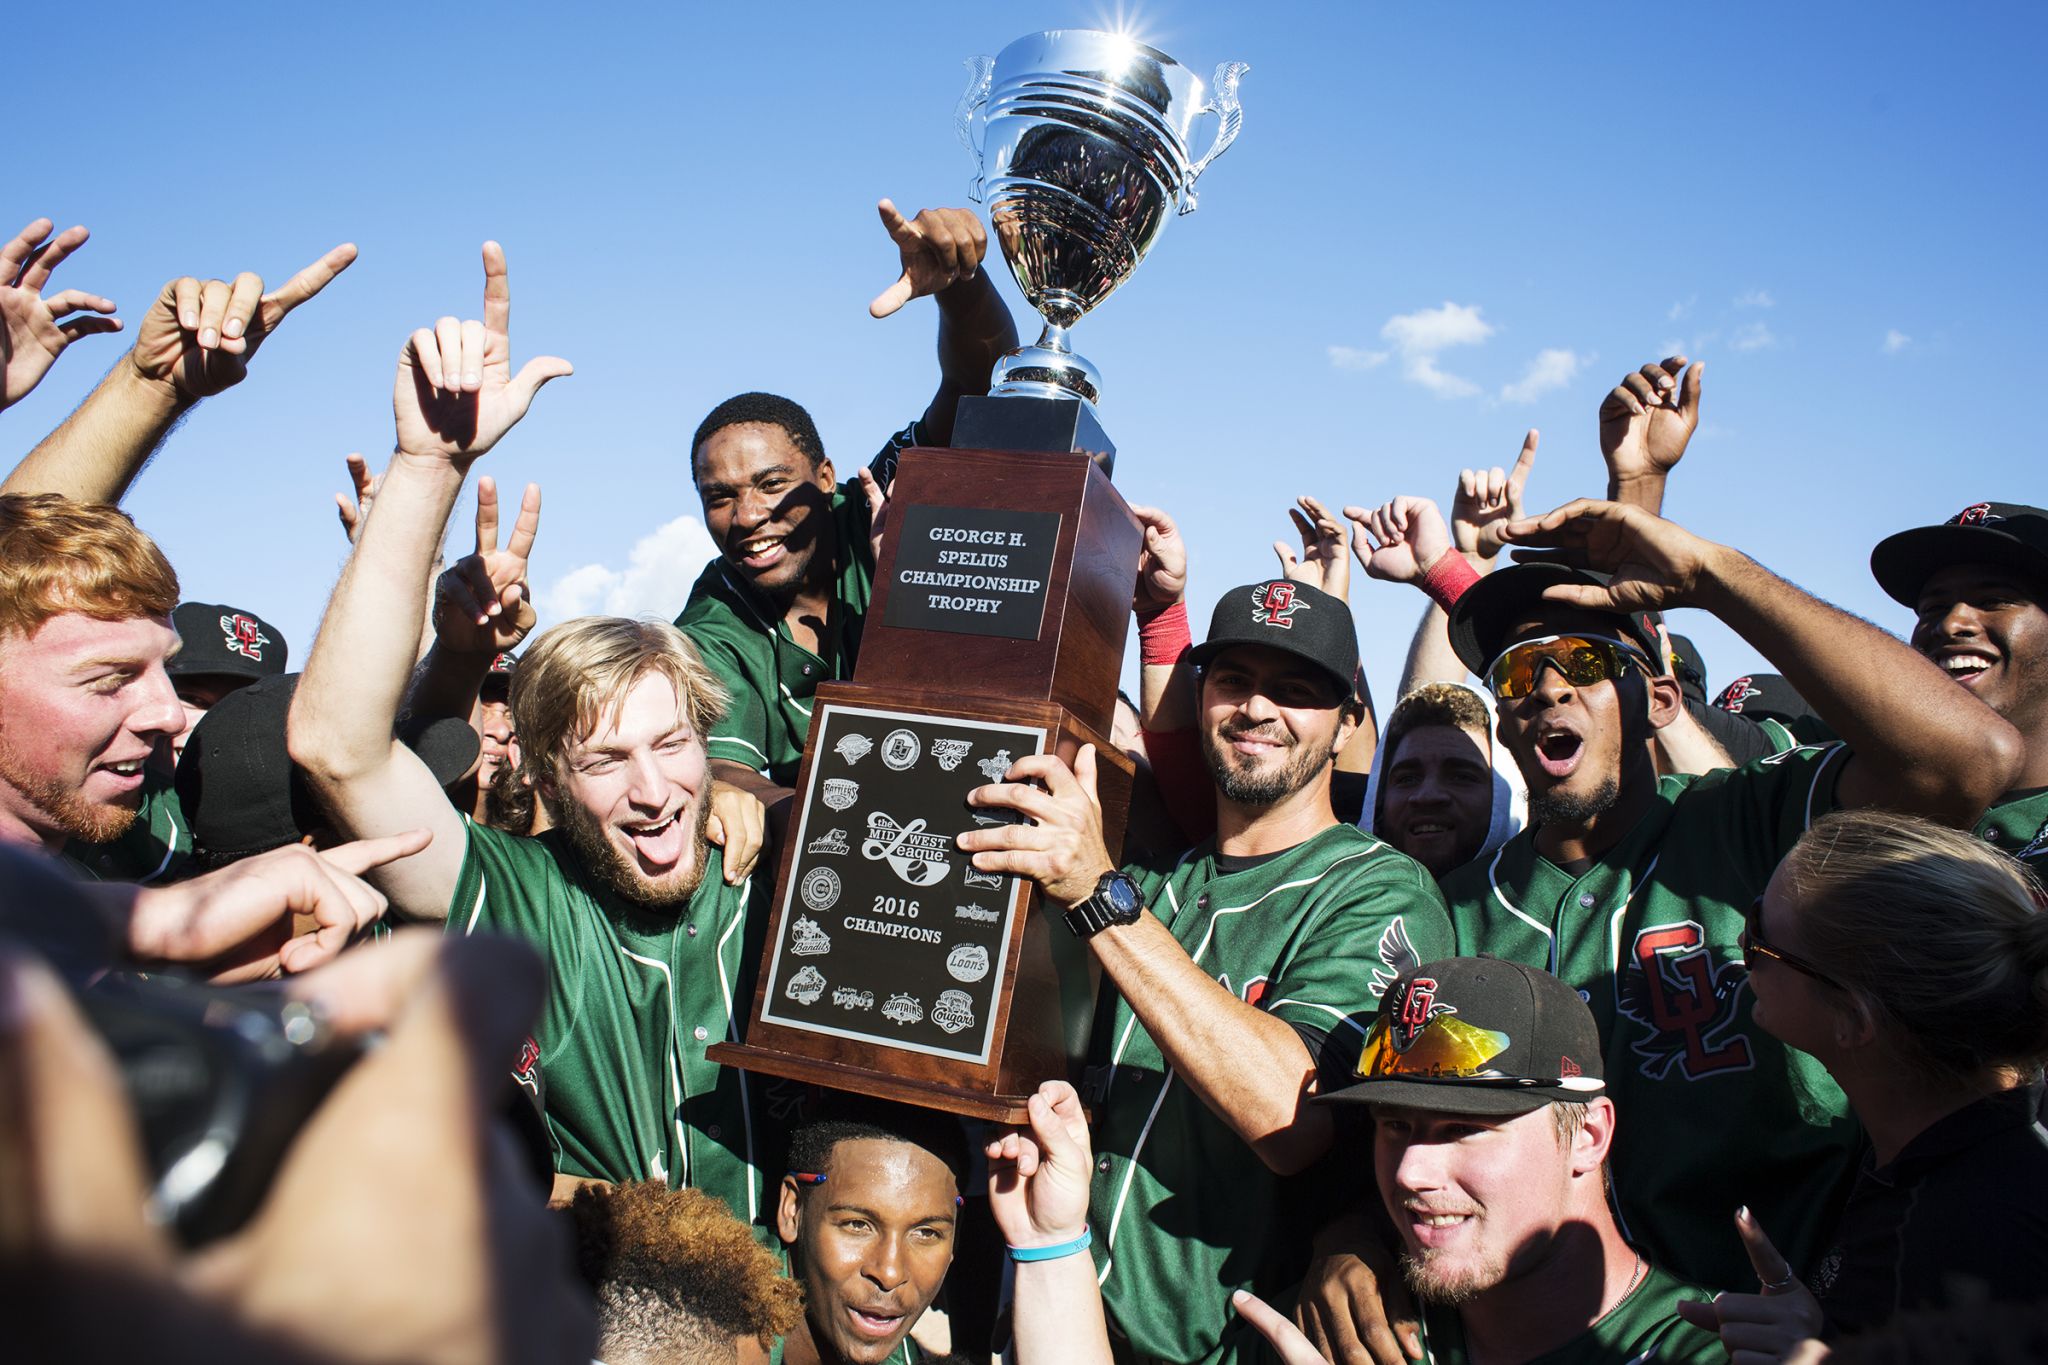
(2009, 534)
(226, 642)
(1478, 1035)
(1763, 696)
(1282, 614)
(242, 794)
(497, 683)
(1689, 668)
(1481, 620)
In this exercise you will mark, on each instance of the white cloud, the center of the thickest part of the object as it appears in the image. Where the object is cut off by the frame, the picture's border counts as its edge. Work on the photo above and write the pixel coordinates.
(1679, 310)
(1755, 298)
(1896, 341)
(1433, 329)
(1421, 369)
(1551, 369)
(1752, 336)
(659, 570)
(1351, 358)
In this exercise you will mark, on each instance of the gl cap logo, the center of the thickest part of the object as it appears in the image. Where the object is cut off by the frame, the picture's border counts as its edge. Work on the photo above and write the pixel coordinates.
(1274, 604)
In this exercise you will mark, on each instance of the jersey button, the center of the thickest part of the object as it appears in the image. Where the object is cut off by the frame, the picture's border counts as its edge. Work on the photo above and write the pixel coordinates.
(1103, 1165)
(1990, 836)
(1201, 903)
(807, 670)
(1586, 901)
(700, 1033)
(690, 929)
(712, 1132)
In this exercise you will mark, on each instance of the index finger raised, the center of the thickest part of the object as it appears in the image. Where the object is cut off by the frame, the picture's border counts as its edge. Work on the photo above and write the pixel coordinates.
(1770, 1265)
(497, 291)
(307, 282)
(363, 854)
(527, 525)
(486, 515)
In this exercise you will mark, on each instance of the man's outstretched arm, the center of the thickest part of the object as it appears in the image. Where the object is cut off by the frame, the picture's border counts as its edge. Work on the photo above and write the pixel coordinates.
(196, 340)
(455, 396)
(942, 251)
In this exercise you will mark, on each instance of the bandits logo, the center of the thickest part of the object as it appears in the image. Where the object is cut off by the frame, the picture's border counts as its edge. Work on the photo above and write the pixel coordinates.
(244, 636)
(1274, 604)
(1687, 1006)
(1735, 693)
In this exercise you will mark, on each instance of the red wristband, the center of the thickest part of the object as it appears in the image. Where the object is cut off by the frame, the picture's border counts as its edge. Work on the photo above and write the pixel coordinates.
(1448, 579)
(1163, 637)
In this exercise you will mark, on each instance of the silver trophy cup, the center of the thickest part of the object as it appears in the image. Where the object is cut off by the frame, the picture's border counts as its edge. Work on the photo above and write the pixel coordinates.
(1084, 145)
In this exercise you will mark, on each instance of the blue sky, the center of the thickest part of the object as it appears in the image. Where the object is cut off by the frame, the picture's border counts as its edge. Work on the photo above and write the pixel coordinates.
(1839, 207)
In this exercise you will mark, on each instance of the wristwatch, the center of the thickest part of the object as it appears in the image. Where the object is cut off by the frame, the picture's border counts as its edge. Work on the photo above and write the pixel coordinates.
(1117, 900)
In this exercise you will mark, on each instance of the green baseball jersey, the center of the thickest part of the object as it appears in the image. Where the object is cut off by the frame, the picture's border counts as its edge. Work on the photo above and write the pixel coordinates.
(1712, 1111)
(2018, 824)
(1184, 1211)
(633, 1001)
(747, 643)
(156, 848)
(1643, 1329)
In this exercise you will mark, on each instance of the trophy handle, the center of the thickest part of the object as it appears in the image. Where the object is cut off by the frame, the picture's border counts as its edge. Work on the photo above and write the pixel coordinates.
(1224, 105)
(980, 69)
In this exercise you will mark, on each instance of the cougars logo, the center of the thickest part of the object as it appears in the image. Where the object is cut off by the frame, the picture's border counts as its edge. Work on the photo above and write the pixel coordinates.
(1735, 693)
(244, 636)
(1977, 514)
(1686, 1005)
(1274, 604)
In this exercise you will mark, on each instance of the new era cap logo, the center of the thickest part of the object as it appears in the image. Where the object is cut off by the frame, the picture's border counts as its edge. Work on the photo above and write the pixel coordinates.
(1274, 604)
(1978, 514)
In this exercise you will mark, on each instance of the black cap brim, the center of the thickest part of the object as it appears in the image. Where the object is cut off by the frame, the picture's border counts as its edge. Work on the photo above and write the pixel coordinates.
(1903, 563)
(1200, 655)
(1453, 1096)
(1480, 622)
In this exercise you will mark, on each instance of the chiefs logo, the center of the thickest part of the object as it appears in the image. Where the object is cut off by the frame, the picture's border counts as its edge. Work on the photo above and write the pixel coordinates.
(1413, 1011)
(1687, 1006)
(1274, 604)
(527, 1070)
(244, 636)
(1735, 693)
(1978, 514)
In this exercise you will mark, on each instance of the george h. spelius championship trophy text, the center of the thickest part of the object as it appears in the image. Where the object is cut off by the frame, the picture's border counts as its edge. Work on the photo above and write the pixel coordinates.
(893, 966)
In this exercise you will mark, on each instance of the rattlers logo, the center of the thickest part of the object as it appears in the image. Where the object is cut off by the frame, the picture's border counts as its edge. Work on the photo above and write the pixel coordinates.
(244, 636)
(1687, 1006)
(1274, 604)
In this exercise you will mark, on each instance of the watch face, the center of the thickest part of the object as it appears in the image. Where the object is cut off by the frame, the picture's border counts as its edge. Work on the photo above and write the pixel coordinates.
(1123, 897)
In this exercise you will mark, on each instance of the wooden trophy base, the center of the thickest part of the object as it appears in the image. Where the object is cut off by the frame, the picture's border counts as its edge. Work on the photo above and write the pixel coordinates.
(894, 967)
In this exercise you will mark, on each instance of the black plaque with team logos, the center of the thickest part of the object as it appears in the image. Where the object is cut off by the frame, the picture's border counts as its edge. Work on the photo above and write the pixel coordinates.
(888, 933)
(972, 570)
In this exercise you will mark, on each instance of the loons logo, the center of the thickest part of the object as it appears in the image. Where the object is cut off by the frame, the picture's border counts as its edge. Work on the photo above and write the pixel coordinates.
(1413, 1011)
(1735, 693)
(244, 636)
(1274, 604)
(1687, 1006)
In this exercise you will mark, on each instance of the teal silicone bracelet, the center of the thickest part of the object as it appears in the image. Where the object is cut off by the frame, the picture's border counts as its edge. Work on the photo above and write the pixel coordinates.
(1057, 1250)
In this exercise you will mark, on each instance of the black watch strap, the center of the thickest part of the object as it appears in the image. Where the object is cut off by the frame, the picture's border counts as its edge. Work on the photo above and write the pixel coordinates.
(1117, 900)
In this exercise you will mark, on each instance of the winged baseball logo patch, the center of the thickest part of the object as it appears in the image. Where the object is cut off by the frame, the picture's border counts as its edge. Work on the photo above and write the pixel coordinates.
(1274, 604)
(244, 636)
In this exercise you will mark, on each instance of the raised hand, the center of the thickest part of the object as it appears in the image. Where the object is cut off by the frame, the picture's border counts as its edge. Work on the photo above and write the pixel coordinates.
(1284, 1337)
(1654, 564)
(1400, 542)
(456, 394)
(1648, 418)
(481, 602)
(939, 247)
(1038, 1180)
(198, 337)
(1484, 499)
(355, 511)
(34, 327)
(1769, 1325)
(1162, 563)
(878, 510)
(1325, 539)
(1059, 844)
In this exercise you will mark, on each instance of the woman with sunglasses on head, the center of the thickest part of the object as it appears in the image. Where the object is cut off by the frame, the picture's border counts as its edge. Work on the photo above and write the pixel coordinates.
(1912, 961)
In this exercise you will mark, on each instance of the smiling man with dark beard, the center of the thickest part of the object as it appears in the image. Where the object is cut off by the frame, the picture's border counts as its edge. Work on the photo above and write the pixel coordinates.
(1241, 975)
(1631, 888)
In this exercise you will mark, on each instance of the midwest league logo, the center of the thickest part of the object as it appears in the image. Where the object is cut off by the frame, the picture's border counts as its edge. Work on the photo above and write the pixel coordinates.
(1687, 1006)
(918, 858)
(244, 636)
(1274, 604)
